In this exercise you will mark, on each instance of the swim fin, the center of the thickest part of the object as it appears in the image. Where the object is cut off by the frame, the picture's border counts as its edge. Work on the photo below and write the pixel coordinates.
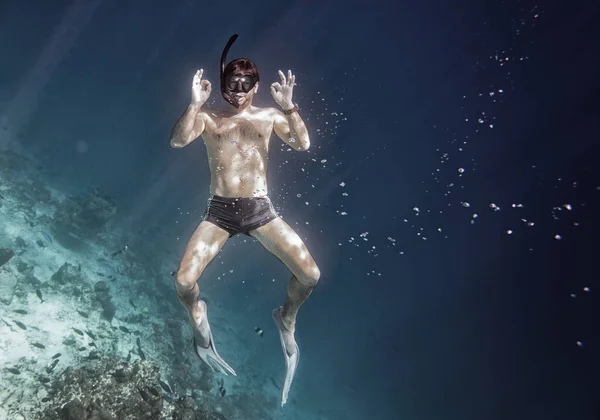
(291, 354)
(209, 354)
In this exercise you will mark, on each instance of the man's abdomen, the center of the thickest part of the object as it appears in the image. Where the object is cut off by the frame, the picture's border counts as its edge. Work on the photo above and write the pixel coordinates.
(239, 186)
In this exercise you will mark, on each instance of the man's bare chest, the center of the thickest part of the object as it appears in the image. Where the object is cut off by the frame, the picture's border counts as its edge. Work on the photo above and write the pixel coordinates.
(238, 129)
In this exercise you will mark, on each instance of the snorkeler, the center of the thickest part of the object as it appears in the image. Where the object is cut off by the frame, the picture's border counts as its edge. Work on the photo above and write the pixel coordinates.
(237, 144)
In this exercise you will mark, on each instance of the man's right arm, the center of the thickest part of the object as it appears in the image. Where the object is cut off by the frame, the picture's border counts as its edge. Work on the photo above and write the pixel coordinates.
(189, 126)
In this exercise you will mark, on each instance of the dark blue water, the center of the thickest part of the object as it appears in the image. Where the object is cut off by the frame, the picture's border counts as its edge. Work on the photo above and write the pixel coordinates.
(450, 196)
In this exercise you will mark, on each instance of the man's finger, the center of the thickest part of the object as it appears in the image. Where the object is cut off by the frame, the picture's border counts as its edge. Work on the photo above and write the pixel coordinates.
(282, 76)
(290, 77)
(276, 85)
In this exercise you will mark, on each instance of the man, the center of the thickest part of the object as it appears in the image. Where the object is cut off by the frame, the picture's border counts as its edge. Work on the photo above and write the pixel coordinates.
(237, 143)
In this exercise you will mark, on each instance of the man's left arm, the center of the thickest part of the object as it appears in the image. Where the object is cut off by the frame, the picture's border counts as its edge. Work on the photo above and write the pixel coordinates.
(291, 129)
(288, 125)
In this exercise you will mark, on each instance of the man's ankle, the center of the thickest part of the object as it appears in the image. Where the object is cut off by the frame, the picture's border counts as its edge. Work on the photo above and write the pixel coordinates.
(289, 323)
(196, 315)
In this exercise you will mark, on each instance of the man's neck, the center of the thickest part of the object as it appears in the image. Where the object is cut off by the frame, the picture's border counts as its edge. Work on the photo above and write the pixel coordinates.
(241, 110)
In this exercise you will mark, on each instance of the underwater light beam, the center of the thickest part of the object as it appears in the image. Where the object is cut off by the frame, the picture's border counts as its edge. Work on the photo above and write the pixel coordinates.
(26, 100)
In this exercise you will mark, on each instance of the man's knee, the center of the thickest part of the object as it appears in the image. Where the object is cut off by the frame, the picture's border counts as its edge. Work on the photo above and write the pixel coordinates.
(310, 276)
(187, 277)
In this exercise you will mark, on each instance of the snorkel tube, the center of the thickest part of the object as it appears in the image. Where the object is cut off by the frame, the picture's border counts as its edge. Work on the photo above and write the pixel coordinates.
(223, 60)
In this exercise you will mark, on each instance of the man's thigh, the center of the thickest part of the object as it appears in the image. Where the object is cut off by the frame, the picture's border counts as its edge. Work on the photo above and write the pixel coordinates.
(205, 243)
(283, 242)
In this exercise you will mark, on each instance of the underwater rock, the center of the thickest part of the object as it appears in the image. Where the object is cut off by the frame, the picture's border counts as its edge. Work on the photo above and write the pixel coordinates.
(10, 160)
(73, 410)
(5, 255)
(8, 285)
(185, 414)
(40, 192)
(101, 287)
(83, 394)
(20, 242)
(68, 273)
(83, 215)
(24, 268)
(103, 295)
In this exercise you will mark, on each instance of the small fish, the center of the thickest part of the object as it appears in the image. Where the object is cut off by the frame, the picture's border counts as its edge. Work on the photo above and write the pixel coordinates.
(38, 345)
(14, 370)
(128, 357)
(92, 344)
(259, 331)
(138, 342)
(274, 382)
(131, 302)
(142, 355)
(20, 324)
(153, 391)
(221, 391)
(78, 331)
(124, 329)
(38, 292)
(120, 251)
(44, 379)
(83, 314)
(47, 237)
(91, 334)
(56, 356)
(82, 348)
(173, 273)
(45, 399)
(93, 355)
(165, 386)
(100, 274)
(51, 367)
(21, 311)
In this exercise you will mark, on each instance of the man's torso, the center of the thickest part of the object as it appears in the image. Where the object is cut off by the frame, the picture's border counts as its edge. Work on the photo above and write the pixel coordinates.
(237, 146)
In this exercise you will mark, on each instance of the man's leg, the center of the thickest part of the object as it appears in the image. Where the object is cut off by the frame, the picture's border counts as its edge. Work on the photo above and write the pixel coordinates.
(283, 242)
(205, 243)
(297, 293)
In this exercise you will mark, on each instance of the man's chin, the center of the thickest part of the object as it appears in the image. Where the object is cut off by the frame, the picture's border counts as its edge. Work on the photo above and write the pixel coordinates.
(240, 104)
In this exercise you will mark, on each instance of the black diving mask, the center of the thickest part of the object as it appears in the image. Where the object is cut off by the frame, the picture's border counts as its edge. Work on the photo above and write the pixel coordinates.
(240, 83)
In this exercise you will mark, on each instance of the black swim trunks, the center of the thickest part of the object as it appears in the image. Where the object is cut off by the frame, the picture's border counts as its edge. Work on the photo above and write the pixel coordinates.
(239, 215)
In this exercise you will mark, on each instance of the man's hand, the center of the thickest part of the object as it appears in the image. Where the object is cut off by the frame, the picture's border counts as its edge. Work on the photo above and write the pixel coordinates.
(282, 92)
(200, 89)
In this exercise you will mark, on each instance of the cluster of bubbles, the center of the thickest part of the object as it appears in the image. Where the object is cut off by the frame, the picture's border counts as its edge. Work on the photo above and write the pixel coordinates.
(510, 218)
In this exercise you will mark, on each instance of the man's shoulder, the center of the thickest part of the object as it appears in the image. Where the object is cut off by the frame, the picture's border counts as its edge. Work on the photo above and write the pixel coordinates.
(268, 109)
(272, 112)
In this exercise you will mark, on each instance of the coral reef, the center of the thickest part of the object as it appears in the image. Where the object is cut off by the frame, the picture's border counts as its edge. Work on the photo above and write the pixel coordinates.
(108, 389)
(82, 217)
(113, 389)
(65, 270)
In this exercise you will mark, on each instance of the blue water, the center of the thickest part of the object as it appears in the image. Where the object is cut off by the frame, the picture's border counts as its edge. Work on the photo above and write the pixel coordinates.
(450, 198)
